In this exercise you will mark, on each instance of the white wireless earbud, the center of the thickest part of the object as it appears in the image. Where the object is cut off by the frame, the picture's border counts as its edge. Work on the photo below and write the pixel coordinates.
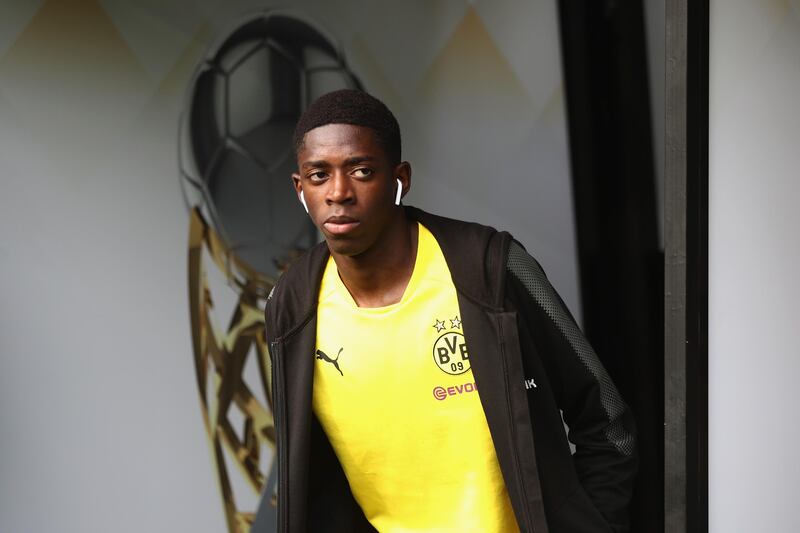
(303, 201)
(399, 192)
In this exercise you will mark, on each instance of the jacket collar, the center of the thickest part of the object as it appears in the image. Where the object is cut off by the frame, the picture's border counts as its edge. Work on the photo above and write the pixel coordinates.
(470, 251)
(468, 248)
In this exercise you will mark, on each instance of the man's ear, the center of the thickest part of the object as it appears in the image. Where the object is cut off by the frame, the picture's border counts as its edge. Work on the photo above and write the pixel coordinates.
(403, 172)
(298, 187)
(296, 183)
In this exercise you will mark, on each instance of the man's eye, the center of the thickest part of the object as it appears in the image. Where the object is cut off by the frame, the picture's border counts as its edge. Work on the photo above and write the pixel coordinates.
(362, 172)
(317, 176)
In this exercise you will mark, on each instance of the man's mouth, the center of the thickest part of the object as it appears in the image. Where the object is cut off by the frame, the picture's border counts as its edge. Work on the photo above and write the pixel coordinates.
(340, 225)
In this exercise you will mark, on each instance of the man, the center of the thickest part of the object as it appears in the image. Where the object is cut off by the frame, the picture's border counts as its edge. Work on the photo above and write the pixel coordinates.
(420, 364)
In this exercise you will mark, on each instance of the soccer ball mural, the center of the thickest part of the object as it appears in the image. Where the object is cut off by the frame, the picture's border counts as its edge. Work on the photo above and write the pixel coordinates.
(236, 158)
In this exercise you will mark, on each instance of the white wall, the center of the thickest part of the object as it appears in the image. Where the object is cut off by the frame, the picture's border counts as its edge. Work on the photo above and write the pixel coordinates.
(754, 261)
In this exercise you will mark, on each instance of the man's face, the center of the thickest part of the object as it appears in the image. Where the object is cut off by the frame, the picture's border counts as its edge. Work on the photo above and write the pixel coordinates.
(349, 185)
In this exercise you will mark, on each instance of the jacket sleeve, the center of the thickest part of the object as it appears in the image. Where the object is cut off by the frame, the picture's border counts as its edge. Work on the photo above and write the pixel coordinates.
(601, 425)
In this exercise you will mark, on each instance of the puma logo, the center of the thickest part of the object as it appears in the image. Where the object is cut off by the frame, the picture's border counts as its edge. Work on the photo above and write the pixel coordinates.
(335, 362)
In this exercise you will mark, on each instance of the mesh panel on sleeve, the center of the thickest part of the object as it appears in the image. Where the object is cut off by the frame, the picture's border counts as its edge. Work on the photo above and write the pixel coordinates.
(530, 274)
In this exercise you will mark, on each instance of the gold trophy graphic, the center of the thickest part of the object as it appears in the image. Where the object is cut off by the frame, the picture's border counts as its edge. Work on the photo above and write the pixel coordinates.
(245, 228)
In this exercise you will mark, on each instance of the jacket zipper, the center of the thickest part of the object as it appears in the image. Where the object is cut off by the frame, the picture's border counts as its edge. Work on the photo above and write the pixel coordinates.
(279, 418)
(512, 429)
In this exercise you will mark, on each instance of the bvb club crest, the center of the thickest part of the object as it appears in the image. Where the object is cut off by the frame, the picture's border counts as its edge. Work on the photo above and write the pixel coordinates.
(236, 157)
(450, 349)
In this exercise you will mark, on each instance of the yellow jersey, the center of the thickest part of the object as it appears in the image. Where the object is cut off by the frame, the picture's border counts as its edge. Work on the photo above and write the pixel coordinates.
(394, 392)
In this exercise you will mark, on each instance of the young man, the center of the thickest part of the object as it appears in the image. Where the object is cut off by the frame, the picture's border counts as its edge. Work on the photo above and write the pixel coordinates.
(420, 363)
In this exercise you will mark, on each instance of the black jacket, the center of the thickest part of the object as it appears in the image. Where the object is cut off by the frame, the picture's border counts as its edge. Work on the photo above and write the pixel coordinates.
(518, 330)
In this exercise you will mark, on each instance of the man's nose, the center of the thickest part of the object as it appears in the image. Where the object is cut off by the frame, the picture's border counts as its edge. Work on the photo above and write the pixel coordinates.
(340, 190)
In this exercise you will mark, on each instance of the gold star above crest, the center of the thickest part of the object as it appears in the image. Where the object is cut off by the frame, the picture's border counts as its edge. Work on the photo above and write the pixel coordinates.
(455, 323)
(439, 325)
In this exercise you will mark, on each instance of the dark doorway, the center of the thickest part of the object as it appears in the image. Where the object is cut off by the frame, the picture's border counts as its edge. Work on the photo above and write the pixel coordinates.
(614, 187)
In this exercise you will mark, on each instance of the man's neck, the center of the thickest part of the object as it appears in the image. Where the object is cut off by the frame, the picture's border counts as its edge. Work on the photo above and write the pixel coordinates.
(379, 276)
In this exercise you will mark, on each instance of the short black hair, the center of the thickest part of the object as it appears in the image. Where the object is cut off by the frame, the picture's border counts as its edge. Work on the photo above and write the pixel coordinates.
(356, 107)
